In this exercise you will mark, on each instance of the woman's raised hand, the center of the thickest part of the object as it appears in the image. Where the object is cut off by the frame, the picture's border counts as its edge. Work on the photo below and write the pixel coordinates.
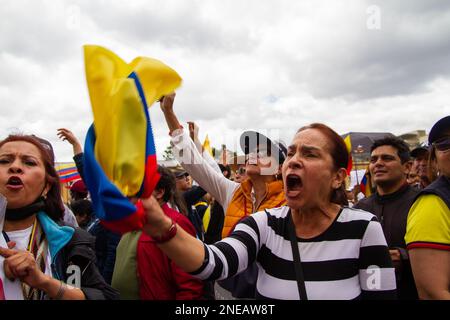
(166, 102)
(67, 135)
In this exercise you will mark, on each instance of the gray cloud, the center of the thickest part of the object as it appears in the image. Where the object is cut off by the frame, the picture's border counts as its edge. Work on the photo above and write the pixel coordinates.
(409, 50)
(38, 30)
(171, 24)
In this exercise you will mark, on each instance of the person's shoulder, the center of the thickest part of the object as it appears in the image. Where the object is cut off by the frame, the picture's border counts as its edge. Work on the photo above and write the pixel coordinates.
(369, 199)
(82, 236)
(279, 212)
(365, 203)
(181, 220)
(429, 198)
(430, 203)
(427, 222)
(173, 214)
(412, 192)
(82, 243)
(355, 214)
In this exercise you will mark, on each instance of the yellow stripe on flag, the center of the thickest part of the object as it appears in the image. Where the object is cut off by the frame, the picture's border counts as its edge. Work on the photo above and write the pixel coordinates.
(348, 143)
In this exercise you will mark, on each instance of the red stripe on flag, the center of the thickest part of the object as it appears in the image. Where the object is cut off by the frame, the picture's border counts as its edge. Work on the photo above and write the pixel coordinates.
(66, 170)
(151, 177)
(70, 178)
(363, 184)
(132, 222)
(75, 174)
(350, 164)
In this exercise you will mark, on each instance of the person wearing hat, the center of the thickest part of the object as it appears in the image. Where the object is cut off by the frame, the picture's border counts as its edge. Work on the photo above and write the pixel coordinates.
(428, 226)
(419, 167)
(262, 190)
(78, 190)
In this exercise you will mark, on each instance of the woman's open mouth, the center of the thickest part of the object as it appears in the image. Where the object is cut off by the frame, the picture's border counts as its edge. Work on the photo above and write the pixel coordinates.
(294, 185)
(14, 183)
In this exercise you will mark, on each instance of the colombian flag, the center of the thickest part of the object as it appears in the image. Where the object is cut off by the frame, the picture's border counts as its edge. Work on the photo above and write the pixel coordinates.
(120, 156)
(348, 143)
(207, 146)
(67, 172)
(366, 185)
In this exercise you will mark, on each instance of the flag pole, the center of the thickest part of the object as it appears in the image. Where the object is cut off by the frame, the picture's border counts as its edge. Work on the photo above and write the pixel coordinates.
(356, 171)
(359, 149)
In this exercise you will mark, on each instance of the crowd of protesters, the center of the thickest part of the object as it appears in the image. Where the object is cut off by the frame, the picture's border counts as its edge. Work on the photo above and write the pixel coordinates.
(281, 226)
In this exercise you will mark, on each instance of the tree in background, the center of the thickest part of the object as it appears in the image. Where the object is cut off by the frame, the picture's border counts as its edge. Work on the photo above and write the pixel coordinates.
(168, 153)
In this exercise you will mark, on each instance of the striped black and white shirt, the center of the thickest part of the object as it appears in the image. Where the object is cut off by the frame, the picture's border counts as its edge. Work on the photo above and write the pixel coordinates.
(350, 260)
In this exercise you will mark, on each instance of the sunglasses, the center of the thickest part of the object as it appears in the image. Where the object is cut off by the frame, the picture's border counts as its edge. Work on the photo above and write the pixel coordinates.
(442, 144)
(240, 171)
(184, 176)
(260, 154)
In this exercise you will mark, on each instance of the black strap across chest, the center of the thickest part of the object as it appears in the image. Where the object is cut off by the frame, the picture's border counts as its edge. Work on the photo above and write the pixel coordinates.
(297, 260)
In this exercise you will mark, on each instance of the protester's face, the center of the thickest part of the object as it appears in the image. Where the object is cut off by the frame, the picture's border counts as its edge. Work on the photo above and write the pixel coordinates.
(183, 183)
(22, 173)
(240, 174)
(308, 171)
(420, 164)
(260, 162)
(386, 167)
(443, 161)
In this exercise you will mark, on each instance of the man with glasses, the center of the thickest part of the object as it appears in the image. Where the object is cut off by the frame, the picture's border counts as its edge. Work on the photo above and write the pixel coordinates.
(389, 167)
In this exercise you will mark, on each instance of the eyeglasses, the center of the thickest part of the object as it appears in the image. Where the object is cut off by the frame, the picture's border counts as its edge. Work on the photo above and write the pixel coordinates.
(184, 176)
(264, 153)
(258, 154)
(442, 144)
(240, 171)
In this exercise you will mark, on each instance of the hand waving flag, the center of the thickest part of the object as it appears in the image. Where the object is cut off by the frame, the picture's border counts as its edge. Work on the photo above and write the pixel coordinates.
(120, 157)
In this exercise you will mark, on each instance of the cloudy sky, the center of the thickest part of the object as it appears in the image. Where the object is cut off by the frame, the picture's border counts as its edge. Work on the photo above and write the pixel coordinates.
(246, 64)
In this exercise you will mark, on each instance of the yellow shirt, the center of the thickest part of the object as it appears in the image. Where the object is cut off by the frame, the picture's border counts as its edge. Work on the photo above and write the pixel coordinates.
(428, 224)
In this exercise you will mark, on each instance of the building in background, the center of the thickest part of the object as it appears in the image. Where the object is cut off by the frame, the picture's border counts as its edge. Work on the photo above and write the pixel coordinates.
(414, 138)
